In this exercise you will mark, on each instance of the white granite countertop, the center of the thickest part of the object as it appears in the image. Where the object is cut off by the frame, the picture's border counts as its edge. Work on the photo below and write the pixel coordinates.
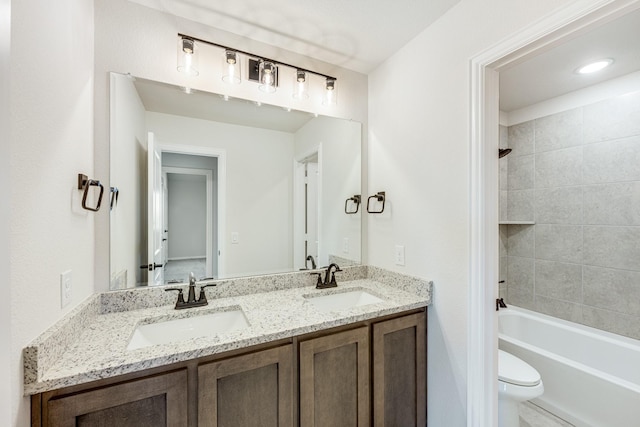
(100, 348)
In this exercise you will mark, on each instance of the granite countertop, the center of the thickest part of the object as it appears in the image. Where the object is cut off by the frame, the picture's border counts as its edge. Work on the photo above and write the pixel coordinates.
(95, 336)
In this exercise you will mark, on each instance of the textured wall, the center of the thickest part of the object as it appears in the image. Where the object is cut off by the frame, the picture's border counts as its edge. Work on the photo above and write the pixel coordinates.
(6, 397)
(51, 142)
(576, 174)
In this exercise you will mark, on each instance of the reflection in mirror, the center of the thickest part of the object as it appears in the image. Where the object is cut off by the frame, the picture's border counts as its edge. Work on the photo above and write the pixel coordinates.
(226, 187)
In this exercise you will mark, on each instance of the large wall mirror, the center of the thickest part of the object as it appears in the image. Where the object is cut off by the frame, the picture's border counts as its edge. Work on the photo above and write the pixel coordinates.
(226, 187)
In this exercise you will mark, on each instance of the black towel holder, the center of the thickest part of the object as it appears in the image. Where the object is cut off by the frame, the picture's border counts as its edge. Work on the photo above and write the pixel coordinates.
(356, 199)
(114, 197)
(84, 184)
(380, 196)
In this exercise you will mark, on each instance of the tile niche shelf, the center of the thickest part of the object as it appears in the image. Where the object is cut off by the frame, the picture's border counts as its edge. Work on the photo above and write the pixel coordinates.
(516, 222)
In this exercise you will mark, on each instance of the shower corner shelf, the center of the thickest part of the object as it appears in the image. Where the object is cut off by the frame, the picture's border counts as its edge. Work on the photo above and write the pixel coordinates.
(516, 222)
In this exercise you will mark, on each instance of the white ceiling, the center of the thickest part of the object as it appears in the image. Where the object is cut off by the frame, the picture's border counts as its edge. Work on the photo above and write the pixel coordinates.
(168, 99)
(552, 73)
(354, 34)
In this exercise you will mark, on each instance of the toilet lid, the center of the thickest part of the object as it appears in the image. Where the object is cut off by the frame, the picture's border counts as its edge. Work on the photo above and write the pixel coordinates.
(516, 371)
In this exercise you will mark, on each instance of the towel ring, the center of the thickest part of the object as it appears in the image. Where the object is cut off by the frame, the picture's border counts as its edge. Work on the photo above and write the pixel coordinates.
(356, 199)
(85, 183)
(380, 197)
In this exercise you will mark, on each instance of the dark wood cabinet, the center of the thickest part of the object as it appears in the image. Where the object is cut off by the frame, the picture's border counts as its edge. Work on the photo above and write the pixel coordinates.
(334, 380)
(399, 371)
(147, 402)
(254, 390)
(370, 373)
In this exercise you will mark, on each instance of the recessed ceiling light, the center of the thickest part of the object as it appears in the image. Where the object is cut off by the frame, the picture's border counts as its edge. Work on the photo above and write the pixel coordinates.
(594, 66)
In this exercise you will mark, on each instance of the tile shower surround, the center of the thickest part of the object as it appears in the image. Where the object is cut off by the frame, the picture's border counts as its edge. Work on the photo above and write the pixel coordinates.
(577, 175)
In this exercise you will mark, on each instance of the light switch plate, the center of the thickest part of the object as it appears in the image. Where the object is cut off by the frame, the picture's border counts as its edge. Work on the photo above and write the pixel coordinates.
(66, 288)
(235, 237)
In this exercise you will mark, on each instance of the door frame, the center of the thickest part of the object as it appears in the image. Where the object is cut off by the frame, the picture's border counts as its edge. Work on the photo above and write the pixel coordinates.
(208, 174)
(482, 324)
(221, 222)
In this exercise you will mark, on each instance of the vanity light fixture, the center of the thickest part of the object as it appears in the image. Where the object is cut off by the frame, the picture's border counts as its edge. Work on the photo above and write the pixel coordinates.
(231, 67)
(329, 92)
(262, 70)
(267, 76)
(595, 66)
(301, 85)
(187, 56)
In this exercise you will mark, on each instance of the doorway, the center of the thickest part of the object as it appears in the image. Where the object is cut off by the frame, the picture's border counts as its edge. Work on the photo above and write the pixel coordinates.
(194, 211)
(483, 284)
(189, 223)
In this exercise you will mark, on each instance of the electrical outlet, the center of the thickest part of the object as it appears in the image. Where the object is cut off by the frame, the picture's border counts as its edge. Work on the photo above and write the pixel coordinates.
(235, 237)
(345, 245)
(66, 288)
(399, 255)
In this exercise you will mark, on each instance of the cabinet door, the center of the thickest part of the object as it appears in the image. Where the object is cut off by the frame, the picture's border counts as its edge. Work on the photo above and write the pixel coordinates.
(253, 390)
(334, 380)
(399, 372)
(153, 401)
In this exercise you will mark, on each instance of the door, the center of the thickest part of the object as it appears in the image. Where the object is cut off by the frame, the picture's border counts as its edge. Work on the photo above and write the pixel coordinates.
(311, 209)
(400, 371)
(148, 402)
(155, 209)
(307, 212)
(252, 390)
(334, 380)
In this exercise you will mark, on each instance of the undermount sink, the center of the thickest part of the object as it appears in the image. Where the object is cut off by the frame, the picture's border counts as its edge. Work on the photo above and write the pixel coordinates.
(196, 326)
(343, 300)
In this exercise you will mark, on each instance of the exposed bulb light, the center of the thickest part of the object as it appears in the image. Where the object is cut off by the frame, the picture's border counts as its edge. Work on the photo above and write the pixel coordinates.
(187, 56)
(330, 92)
(267, 76)
(187, 90)
(261, 70)
(595, 66)
(231, 67)
(301, 85)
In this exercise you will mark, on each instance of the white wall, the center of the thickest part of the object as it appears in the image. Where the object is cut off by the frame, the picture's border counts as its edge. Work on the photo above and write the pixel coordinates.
(259, 187)
(51, 141)
(134, 39)
(6, 398)
(419, 109)
(128, 156)
(340, 180)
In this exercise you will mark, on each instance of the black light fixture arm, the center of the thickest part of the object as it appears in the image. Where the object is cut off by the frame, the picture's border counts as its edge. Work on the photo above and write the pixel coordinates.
(255, 56)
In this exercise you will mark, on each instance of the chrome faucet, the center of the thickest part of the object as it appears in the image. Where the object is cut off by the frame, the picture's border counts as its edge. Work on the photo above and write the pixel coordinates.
(328, 283)
(191, 298)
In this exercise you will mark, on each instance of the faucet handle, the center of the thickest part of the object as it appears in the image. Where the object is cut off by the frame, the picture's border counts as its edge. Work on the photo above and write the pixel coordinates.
(180, 295)
(319, 274)
(203, 297)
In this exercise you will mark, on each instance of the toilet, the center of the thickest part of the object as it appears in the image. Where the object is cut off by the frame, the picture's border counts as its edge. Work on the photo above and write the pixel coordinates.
(517, 382)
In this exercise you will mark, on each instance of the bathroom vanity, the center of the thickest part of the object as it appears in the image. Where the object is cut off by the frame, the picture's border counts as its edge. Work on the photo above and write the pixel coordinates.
(297, 363)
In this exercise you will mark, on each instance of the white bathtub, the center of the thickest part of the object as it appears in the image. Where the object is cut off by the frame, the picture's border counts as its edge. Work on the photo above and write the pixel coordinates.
(591, 377)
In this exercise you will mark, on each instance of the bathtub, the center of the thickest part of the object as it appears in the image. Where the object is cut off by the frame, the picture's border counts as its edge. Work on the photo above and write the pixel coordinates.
(591, 377)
